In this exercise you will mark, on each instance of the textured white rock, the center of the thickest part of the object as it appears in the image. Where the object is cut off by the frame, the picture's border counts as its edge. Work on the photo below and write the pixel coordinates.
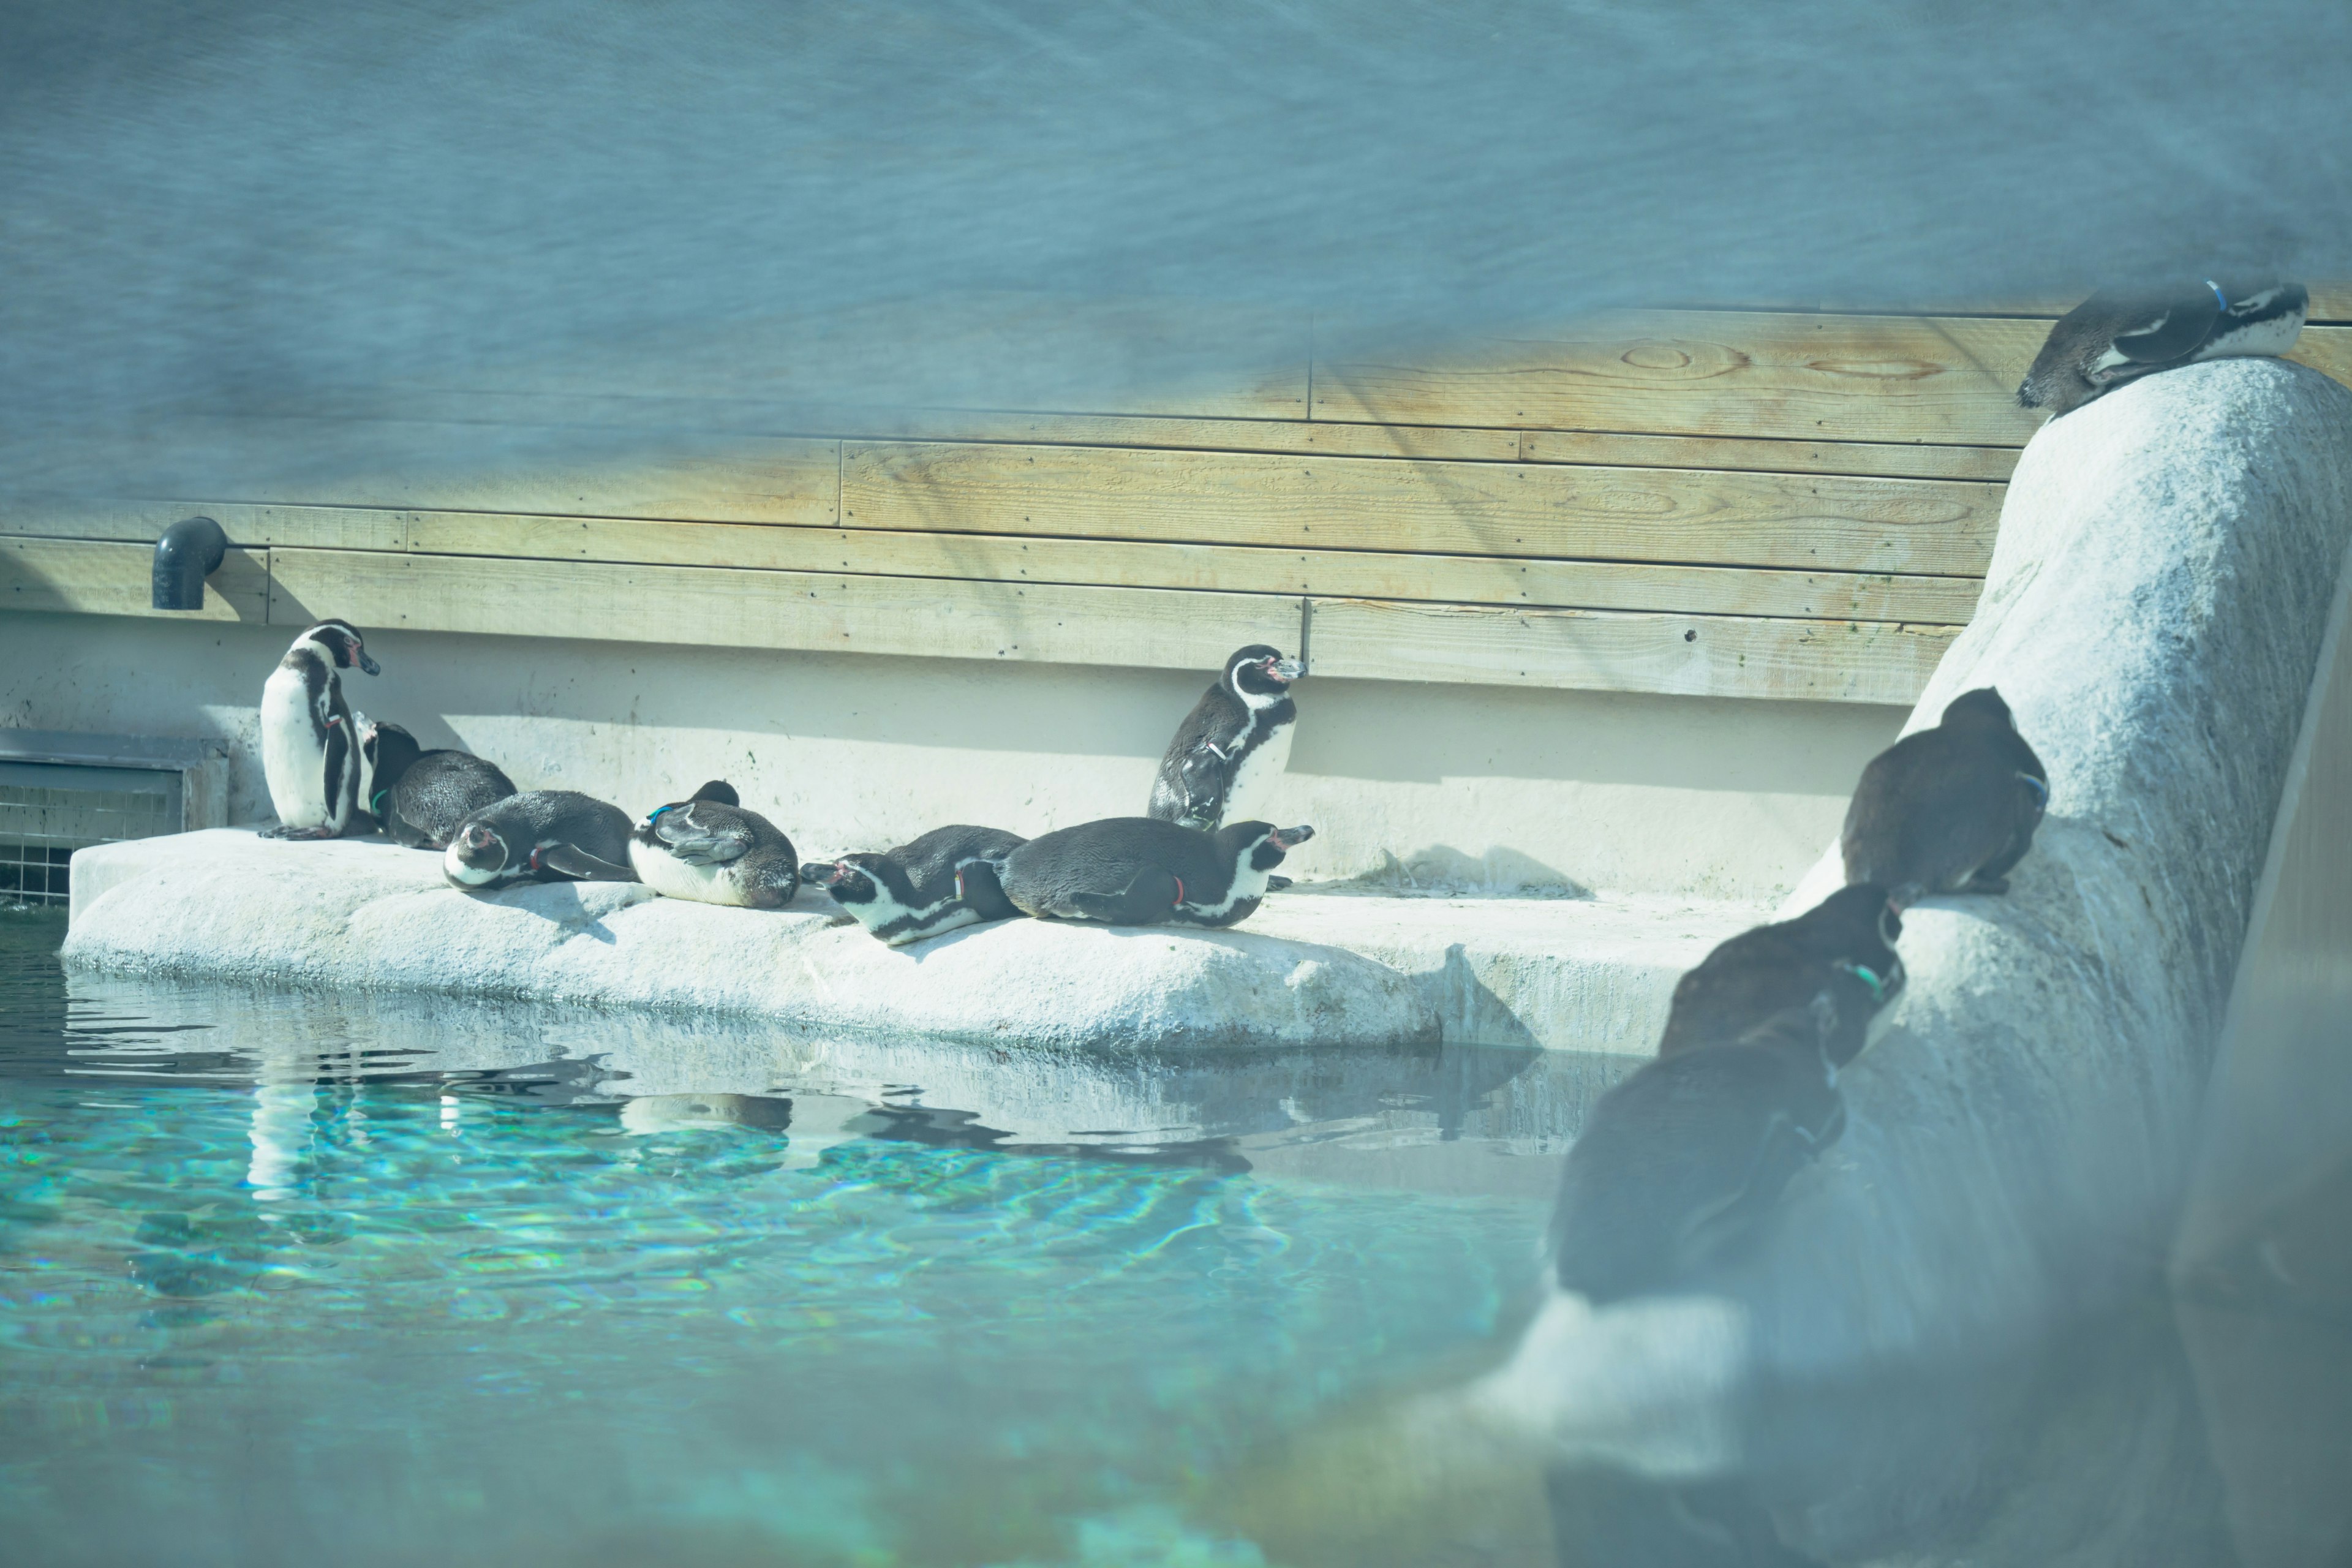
(2018, 1137)
(230, 905)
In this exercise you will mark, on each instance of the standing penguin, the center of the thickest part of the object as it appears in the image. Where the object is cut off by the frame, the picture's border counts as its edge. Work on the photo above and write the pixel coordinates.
(1843, 947)
(2116, 336)
(941, 882)
(1140, 870)
(309, 755)
(1233, 746)
(1681, 1162)
(419, 797)
(1948, 810)
(540, 835)
(708, 849)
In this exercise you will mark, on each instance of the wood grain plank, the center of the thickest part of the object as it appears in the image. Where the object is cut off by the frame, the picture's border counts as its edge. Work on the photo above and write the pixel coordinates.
(729, 607)
(1205, 568)
(1803, 521)
(331, 528)
(1676, 655)
(1887, 460)
(1948, 380)
(80, 577)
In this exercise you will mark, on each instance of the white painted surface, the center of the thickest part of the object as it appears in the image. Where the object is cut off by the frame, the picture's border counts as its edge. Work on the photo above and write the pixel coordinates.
(1488, 788)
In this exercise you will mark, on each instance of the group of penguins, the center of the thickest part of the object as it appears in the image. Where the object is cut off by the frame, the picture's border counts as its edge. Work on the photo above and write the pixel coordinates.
(1195, 859)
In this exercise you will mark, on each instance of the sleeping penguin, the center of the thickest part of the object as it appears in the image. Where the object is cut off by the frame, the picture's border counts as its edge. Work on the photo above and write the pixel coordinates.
(309, 755)
(1948, 810)
(1140, 870)
(941, 882)
(419, 797)
(1679, 1165)
(543, 836)
(1233, 746)
(710, 850)
(2116, 336)
(1843, 947)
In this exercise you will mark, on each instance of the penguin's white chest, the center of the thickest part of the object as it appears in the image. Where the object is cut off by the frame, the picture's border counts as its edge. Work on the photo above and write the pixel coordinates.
(1258, 780)
(292, 762)
(673, 879)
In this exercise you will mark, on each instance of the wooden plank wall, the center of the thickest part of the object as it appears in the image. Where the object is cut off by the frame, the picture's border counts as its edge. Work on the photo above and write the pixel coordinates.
(1753, 504)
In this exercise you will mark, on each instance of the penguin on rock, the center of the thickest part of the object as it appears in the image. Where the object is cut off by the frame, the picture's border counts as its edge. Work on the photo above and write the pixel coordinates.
(1140, 870)
(1233, 746)
(710, 850)
(417, 798)
(1948, 810)
(310, 755)
(1679, 1165)
(2120, 335)
(543, 836)
(941, 882)
(1843, 947)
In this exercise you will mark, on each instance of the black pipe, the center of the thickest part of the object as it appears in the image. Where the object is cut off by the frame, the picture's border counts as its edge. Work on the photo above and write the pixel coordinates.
(190, 551)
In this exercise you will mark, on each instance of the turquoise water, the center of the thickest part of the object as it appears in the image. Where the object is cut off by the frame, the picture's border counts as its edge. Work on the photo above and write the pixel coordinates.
(303, 1279)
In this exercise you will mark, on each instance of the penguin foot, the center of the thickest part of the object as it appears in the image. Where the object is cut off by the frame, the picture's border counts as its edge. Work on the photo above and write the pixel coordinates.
(1987, 885)
(841, 920)
(282, 831)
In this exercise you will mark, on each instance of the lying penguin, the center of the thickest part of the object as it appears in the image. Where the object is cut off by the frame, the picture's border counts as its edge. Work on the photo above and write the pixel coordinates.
(309, 756)
(2116, 336)
(1842, 946)
(939, 883)
(1235, 744)
(708, 849)
(1138, 870)
(1680, 1163)
(540, 835)
(1948, 810)
(418, 798)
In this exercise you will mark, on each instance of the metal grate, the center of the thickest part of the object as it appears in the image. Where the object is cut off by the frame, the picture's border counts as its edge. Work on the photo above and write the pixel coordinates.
(50, 810)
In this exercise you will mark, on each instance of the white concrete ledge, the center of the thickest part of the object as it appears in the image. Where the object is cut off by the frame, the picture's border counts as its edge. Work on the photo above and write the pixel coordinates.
(1329, 968)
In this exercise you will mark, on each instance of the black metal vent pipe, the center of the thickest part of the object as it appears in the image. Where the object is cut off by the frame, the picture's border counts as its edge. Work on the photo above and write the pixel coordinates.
(190, 551)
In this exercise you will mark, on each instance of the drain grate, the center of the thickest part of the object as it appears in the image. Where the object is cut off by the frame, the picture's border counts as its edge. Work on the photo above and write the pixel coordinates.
(61, 793)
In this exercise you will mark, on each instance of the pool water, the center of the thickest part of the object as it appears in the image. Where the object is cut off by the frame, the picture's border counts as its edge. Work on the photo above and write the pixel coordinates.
(296, 1278)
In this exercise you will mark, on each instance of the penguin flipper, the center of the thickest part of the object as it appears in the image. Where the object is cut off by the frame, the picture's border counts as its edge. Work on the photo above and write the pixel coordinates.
(576, 862)
(2174, 334)
(1149, 899)
(712, 847)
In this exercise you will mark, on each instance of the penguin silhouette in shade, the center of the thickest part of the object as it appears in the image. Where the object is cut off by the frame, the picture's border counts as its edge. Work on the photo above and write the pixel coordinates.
(708, 849)
(540, 835)
(941, 882)
(1843, 946)
(417, 798)
(1138, 870)
(2120, 335)
(1679, 1165)
(1233, 746)
(1948, 810)
(309, 753)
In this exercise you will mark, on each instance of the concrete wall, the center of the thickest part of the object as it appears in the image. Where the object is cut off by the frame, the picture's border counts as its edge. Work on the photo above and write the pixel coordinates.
(1428, 784)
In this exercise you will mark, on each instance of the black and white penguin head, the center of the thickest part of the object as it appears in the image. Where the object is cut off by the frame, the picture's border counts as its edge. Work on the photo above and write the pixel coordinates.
(868, 878)
(387, 752)
(719, 792)
(1982, 707)
(1260, 845)
(476, 855)
(1260, 676)
(341, 643)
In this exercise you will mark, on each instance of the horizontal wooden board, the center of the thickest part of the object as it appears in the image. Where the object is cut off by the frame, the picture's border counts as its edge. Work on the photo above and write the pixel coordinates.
(80, 577)
(1948, 380)
(330, 528)
(731, 607)
(1686, 656)
(1208, 568)
(1803, 521)
(1879, 460)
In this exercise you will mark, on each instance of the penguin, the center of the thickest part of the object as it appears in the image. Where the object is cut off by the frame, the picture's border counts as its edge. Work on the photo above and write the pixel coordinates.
(706, 847)
(418, 798)
(941, 882)
(1679, 1165)
(2116, 335)
(1233, 746)
(540, 835)
(1948, 810)
(1140, 870)
(309, 755)
(1844, 946)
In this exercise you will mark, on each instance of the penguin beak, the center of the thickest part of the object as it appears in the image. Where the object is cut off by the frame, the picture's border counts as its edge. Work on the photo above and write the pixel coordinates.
(366, 663)
(1290, 837)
